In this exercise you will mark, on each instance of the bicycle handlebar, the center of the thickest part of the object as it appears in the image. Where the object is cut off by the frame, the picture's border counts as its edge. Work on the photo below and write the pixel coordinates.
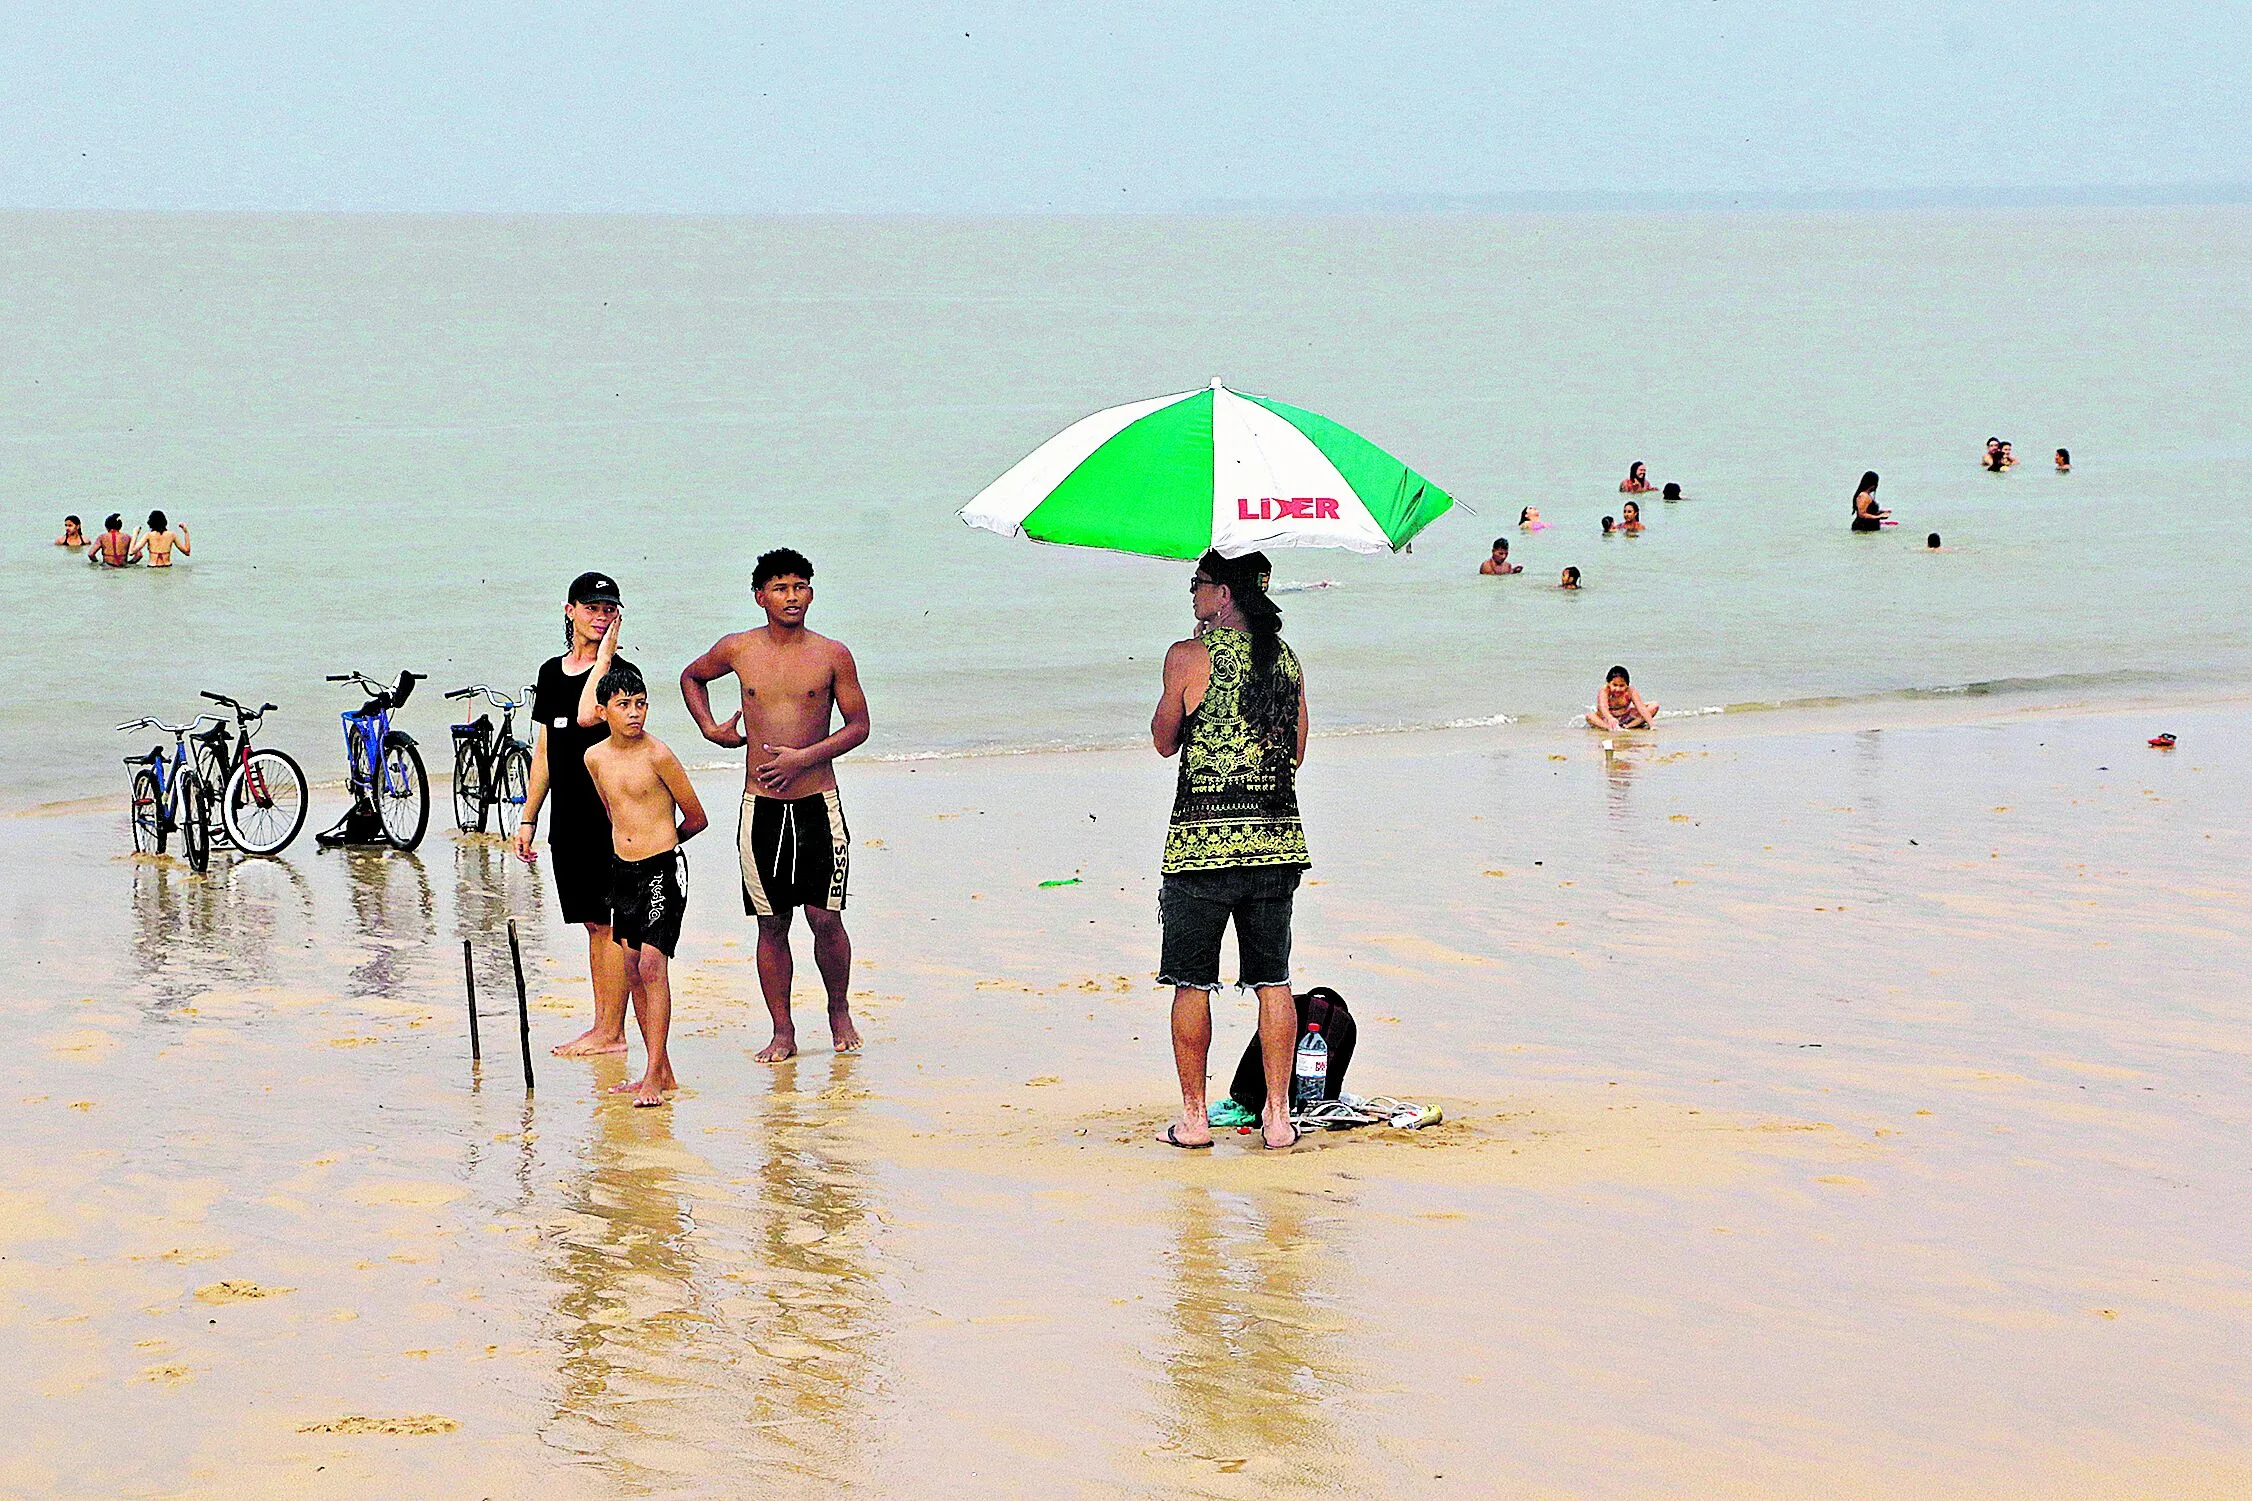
(243, 712)
(149, 722)
(493, 696)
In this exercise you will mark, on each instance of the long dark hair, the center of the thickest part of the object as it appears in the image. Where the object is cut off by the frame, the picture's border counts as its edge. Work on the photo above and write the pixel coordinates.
(1868, 487)
(1270, 699)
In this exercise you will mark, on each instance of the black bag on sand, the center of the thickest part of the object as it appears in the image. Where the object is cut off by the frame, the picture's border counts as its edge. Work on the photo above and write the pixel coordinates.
(1322, 1005)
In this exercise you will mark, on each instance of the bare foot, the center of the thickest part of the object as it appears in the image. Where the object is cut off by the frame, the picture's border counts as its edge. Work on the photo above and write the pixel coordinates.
(779, 1050)
(842, 1032)
(588, 1044)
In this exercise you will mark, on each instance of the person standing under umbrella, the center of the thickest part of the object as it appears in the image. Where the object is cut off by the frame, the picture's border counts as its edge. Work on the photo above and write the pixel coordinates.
(1233, 707)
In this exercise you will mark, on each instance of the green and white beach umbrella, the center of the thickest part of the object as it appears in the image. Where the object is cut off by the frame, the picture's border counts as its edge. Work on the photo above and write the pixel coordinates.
(1174, 475)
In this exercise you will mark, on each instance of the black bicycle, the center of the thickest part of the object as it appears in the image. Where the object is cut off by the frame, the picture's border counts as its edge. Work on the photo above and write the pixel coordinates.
(169, 796)
(492, 767)
(262, 792)
(383, 768)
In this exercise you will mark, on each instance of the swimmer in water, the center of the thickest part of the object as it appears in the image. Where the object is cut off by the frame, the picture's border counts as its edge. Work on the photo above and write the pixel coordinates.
(74, 536)
(1528, 520)
(2009, 458)
(1931, 542)
(1619, 707)
(1498, 562)
(1570, 580)
(161, 537)
(1610, 525)
(1867, 517)
(113, 548)
(1673, 491)
(1637, 481)
(1992, 458)
(2064, 461)
(1630, 519)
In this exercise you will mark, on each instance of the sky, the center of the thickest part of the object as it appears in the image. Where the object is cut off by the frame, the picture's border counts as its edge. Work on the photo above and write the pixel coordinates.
(1096, 107)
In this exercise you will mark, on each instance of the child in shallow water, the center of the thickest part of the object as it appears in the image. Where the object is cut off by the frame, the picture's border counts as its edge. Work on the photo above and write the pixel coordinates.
(74, 534)
(1570, 580)
(2064, 461)
(1610, 525)
(1619, 707)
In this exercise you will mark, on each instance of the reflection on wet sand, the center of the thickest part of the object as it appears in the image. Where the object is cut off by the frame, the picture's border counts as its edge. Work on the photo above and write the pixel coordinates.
(191, 932)
(692, 1319)
(393, 911)
(1258, 1341)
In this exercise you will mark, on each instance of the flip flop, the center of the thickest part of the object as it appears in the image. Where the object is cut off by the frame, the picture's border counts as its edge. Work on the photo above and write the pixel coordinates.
(1169, 1139)
(1296, 1136)
(2162, 742)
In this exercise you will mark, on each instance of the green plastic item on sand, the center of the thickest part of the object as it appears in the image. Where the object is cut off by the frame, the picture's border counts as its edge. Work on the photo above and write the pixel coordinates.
(1225, 1113)
(1068, 881)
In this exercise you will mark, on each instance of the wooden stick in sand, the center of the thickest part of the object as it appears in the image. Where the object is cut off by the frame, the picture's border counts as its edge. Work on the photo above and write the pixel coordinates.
(523, 1007)
(469, 983)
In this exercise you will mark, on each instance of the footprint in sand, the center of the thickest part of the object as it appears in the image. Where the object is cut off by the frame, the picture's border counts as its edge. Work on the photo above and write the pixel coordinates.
(167, 1375)
(419, 1422)
(233, 1290)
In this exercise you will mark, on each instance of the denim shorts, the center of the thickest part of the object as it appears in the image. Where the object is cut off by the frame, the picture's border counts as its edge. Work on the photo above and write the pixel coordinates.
(1193, 909)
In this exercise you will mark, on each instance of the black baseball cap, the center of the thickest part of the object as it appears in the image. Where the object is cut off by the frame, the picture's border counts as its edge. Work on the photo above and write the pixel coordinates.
(593, 589)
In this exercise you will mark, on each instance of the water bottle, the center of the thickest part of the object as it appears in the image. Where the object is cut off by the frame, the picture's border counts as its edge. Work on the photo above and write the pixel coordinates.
(1309, 1073)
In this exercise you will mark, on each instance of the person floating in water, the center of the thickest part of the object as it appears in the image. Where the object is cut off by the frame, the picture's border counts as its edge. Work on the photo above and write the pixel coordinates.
(114, 548)
(1931, 542)
(2064, 461)
(1498, 562)
(1630, 518)
(161, 537)
(1672, 491)
(1610, 525)
(74, 535)
(1528, 520)
(1867, 516)
(2009, 457)
(1619, 707)
(1991, 460)
(1570, 580)
(1637, 481)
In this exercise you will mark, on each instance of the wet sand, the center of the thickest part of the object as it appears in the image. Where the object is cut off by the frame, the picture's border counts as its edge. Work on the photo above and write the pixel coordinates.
(1830, 1111)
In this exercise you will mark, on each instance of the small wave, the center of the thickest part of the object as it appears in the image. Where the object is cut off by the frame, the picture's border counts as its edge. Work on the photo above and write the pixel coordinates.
(1692, 713)
(1304, 588)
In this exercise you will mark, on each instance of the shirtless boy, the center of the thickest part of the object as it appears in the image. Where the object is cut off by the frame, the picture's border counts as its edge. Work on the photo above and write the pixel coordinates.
(794, 846)
(1498, 562)
(645, 790)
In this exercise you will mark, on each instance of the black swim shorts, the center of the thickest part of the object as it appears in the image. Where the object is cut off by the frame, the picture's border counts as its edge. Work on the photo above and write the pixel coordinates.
(647, 901)
(796, 852)
(1194, 909)
(582, 879)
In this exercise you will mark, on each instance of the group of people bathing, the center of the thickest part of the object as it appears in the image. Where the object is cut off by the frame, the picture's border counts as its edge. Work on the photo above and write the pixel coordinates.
(1628, 523)
(620, 806)
(118, 548)
(1998, 458)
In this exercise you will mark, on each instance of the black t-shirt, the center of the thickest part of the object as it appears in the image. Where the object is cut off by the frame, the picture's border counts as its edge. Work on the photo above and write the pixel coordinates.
(575, 813)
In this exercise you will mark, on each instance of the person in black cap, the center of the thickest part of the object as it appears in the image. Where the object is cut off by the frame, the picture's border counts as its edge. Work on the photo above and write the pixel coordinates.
(578, 832)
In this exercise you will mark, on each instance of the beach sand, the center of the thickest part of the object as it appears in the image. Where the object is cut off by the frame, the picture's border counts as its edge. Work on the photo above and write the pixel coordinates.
(1829, 1111)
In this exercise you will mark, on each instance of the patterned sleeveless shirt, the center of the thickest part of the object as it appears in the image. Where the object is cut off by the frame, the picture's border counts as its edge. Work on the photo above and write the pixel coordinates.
(1237, 800)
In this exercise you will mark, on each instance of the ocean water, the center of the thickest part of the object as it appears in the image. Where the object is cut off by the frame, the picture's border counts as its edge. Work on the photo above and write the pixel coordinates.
(395, 439)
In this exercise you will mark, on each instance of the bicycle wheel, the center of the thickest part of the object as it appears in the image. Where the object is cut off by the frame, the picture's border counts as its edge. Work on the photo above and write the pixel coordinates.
(195, 822)
(469, 785)
(515, 786)
(148, 815)
(402, 794)
(265, 803)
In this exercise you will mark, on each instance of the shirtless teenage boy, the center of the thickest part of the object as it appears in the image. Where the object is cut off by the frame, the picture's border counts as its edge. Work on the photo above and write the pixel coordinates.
(1498, 562)
(793, 843)
(644, 789)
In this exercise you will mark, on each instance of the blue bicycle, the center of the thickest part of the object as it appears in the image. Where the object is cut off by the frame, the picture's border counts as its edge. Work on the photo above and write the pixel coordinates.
(383, 768)
(169, 794)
